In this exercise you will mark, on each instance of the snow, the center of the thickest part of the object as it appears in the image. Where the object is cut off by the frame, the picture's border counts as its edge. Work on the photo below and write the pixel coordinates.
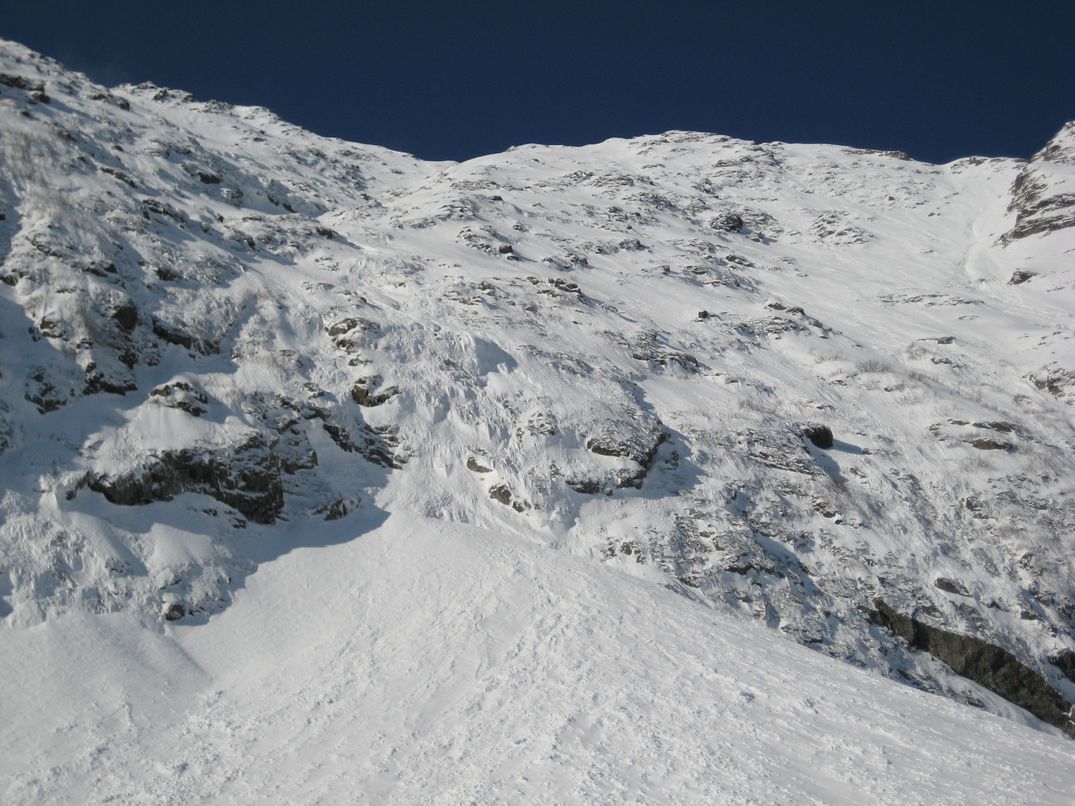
(614, 611)
(426, 662)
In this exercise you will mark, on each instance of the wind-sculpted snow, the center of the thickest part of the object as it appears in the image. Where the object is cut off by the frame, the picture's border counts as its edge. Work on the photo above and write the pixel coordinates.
(221, 334)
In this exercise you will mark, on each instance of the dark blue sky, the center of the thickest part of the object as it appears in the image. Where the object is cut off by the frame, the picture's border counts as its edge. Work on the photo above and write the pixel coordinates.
(939, 79)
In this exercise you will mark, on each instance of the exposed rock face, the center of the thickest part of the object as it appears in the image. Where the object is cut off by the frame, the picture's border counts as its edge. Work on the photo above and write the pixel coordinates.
(1043, 194)
(990, 444)
(500, 493)
(126, 316)
(950, 586)
(639, 448)
(1065, 662)
(474, 465)
(246, 477)
(990, 666)
(362, 395)
(377, 445)
(1057, 381)
(21, 83)
(183, 396)
(729, 222)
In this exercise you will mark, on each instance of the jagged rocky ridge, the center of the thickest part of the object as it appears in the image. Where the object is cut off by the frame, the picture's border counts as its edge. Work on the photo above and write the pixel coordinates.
(218, 329)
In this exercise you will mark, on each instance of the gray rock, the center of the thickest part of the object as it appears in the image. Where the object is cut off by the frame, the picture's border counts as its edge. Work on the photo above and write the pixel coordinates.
(820, 435)
(728, 222)
(950, 586)
(1065, 662)
(126, 316)
(988, 444)
(987, 665)
(501, 493)
(181, 395)
(174, 611)
(362, 395)
(246, 477)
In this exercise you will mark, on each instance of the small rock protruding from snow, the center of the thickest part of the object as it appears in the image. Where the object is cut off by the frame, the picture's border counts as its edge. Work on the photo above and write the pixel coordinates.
(819, 435)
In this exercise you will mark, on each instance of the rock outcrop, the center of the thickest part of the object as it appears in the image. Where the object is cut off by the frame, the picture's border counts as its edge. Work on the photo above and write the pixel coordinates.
(987, 665)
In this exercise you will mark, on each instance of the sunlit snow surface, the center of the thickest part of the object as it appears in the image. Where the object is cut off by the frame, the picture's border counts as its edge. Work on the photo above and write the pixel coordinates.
(569, 626)
(427, 662)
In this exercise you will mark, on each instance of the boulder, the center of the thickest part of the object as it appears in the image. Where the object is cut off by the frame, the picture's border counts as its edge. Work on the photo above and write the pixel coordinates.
(501, 493)
(174, 611)
(950, 586)
(728, 222)
(362, 395)
(126, 316)
(819, 435)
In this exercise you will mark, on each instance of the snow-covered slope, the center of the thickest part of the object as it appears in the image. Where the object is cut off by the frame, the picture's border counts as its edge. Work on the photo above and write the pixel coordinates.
(229, 347)
(460, 667)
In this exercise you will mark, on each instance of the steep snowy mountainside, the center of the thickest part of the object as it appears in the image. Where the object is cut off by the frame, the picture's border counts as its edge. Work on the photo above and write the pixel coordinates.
(1039, 244)
(222, 334)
